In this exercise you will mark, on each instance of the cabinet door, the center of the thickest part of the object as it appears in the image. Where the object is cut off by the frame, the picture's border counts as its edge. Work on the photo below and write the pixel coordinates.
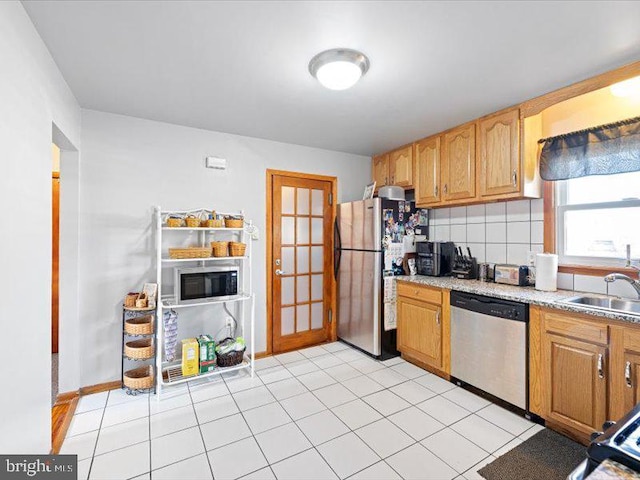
(499, 154)
(381, 170)
(401, 167)
(625, 370)
(459, 163)
(420, 330)
(427, 156)
(575, 382)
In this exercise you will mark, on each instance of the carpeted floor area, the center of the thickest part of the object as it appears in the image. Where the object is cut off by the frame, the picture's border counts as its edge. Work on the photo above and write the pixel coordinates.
(547, 455)
(54, 378)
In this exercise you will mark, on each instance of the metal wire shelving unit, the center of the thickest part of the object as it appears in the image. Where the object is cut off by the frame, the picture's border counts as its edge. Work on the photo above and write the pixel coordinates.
(169, 373)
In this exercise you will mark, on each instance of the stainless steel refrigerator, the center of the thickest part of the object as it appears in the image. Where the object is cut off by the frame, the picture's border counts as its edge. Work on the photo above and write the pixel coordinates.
(361, 228)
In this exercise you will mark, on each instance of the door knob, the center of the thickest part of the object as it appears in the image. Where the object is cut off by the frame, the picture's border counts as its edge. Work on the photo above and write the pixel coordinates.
(280, 272)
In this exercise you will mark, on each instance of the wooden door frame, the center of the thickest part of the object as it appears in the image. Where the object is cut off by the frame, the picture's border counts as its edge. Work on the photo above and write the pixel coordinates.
(333, 331)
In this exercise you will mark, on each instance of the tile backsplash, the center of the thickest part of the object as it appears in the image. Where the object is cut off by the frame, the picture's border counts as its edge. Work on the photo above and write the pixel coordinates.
(495, 232)
(505, 232)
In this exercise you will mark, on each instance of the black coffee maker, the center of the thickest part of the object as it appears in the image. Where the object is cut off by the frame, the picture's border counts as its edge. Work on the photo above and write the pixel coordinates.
(435, 259)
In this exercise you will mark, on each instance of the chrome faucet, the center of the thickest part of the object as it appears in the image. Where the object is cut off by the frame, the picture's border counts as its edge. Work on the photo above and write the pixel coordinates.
(612, 277)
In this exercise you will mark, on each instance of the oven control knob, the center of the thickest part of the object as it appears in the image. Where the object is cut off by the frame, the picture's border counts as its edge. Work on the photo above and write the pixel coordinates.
(595, 435)
(608, 424)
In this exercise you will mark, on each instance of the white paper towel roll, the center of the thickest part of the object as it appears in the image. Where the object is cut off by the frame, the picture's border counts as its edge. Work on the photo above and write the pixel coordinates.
(546, 272)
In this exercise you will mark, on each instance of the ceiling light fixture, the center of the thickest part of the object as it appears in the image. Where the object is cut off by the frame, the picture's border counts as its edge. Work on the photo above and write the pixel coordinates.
(339, 68)
(626, 88)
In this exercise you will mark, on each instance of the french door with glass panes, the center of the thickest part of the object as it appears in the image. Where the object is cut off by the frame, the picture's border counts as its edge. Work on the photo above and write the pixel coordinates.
(301, 218)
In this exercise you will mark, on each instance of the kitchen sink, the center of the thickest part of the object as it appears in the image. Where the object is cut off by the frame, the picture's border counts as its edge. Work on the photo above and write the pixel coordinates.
(606, 303)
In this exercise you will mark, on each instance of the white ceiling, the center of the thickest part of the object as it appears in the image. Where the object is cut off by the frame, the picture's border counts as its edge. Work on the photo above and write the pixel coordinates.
(241, 67)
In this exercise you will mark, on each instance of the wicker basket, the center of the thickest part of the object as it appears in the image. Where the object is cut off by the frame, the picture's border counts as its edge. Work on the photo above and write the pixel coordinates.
(139, 325)
(230, 359)
(189, 252)
(237, 249)
(139, 378)
(174, 222)
(139, 349)
(211, 223)
(220, 249)
(130, 299)
(233, 222)
(142, 301)
(192, 221)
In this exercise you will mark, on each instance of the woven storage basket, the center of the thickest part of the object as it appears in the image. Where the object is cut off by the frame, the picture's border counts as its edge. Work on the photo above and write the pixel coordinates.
(220, 249)
(139, 325)
(230, 359)
(139, 349)
(174, 222)
(237, 249)
(210, 223)
(139, 378)
(189, 252)
(233, 222)
(130, 299)
(192, 222)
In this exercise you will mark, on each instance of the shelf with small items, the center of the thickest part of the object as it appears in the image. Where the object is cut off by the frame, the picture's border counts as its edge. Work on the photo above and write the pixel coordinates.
(138, 343)
(203, 229)
(172, 372)
(202, 259)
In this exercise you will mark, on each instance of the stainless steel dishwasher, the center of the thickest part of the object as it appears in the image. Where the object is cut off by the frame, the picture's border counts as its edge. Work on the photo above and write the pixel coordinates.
(489, 345)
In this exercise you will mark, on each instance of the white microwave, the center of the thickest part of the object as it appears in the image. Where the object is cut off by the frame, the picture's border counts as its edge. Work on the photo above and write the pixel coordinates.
(201, 284)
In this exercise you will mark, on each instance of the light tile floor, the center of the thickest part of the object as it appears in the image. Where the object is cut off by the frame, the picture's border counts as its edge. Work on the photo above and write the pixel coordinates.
(324, 412)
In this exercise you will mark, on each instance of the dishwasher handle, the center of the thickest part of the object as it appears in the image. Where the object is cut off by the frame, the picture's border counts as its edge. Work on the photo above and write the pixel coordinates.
(495, 307)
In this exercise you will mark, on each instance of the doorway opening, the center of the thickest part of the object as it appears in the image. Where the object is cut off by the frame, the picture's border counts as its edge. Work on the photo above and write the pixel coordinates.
(301, 286)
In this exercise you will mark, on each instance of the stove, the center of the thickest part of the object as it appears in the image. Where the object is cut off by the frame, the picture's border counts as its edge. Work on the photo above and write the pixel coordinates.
(619, 442)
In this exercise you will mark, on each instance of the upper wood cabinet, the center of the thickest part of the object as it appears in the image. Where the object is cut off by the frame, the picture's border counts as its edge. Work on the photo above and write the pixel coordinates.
(380, 164)
(401, 167)
(499, 154)
(458, 163)
(427, 174)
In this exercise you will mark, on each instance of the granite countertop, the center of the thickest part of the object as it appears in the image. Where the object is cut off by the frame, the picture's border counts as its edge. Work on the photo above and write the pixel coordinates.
(519, 294)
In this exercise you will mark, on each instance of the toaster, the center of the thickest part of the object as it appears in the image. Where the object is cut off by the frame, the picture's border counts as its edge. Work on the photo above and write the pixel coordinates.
(511, 274)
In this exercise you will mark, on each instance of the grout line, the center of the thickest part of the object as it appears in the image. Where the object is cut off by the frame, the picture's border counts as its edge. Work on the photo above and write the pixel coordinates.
(195, 414)
(326, 408)
(149, 431)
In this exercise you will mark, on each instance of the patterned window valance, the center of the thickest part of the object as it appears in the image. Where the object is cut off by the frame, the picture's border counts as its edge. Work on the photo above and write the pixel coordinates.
(603, 150)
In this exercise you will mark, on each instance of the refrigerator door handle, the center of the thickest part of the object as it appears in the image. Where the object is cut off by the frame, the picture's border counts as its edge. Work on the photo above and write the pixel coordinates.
(337, 249)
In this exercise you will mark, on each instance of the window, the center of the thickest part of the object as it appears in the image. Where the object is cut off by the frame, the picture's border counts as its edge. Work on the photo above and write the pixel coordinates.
(597, 217)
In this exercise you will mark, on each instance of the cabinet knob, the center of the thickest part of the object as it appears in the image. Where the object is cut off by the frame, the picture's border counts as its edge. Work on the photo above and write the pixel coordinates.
(627, 374)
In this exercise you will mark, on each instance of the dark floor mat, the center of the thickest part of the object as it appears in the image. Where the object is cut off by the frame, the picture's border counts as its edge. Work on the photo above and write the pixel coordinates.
(545, 456)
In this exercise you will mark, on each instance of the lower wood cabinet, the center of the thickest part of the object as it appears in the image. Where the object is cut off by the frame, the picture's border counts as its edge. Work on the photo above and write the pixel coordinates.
(625, 370)
(423, 326)
(583, 370)
(575, 382)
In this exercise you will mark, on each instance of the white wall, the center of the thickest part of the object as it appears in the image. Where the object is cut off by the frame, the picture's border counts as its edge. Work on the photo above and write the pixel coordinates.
(33, 95)
(128, 166)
